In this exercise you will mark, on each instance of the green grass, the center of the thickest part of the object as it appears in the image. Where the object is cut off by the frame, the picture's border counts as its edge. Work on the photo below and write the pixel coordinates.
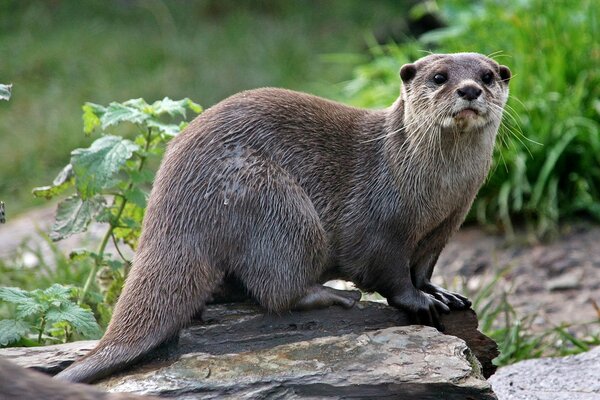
(547, 167)
(515, 334)
(61, 54)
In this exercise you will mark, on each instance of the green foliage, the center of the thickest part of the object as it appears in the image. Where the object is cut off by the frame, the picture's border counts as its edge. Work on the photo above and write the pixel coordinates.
(44, 317)
(107, 182)
(516, 335)
(547, 164)
(109, 178)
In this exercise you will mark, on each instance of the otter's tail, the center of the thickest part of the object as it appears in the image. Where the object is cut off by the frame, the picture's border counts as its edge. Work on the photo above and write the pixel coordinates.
(159, 298)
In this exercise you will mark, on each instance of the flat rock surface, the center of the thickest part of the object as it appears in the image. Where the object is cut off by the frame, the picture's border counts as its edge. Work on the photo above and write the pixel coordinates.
(238, 351)
(567, 378)
(402, 362)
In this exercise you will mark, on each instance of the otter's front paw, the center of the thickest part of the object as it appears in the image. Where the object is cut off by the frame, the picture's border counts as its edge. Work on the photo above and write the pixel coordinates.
(423, 307)
(453, 300)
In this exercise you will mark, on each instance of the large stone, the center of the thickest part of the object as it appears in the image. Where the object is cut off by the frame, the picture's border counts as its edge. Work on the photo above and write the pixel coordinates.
(404, 362)
(366, 352)
(567, 378)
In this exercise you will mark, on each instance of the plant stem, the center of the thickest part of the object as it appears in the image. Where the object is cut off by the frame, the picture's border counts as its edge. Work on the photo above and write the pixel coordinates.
(42, 327)
(114, 223)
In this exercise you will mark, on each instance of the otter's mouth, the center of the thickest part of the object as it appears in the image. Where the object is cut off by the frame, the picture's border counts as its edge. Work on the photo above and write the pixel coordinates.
(466, 113)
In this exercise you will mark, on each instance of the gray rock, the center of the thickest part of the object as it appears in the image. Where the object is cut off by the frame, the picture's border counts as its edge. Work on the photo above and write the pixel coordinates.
(410, 362)
(567, 378)
(568, 280)
(366, 352)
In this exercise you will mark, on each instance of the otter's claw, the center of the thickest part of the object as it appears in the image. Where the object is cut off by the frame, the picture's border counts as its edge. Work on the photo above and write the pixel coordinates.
(453, 300)
(423, 307)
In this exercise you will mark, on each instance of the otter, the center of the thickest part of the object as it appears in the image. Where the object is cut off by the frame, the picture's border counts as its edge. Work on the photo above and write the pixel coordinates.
(281, 190)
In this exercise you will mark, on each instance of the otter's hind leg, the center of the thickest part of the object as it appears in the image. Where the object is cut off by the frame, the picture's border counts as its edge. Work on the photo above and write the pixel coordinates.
(280, 244)
(319, 296)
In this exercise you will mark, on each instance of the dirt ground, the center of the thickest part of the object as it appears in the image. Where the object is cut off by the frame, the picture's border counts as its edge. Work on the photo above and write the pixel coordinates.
(558, 282)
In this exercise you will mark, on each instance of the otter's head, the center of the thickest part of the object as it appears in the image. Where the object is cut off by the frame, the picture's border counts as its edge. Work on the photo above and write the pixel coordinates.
(461, 92)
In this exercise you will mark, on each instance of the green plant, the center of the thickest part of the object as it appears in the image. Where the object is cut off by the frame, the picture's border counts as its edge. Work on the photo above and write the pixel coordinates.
(44, 317)
(109, 179)
(515, 334)
(547, 164)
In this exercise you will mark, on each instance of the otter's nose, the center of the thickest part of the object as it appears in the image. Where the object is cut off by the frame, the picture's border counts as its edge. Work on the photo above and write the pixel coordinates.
(469, 92)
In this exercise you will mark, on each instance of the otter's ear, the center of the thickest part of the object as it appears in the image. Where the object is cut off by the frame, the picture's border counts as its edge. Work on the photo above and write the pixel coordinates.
(407, 72)
(504, 73)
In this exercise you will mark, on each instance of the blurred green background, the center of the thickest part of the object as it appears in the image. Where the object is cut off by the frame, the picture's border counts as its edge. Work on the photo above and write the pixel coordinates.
(59, 54)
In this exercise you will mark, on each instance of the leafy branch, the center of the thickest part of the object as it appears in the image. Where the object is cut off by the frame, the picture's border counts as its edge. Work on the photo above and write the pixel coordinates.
(50, 314)
(111, 177)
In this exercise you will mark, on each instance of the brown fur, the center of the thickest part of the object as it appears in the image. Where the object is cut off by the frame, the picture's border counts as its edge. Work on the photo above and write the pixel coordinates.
(18, 383)
(281, 190)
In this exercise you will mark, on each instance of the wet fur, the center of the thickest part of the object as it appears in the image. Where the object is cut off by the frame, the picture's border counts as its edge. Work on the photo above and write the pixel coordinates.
(282, 190)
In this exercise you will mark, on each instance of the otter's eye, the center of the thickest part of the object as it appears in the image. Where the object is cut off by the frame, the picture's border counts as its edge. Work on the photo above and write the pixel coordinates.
(487, 78)
(440, 78)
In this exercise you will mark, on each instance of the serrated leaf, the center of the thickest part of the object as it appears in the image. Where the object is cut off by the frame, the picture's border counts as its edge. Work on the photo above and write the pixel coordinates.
(116, 113)
(27, 310)
(167, 129)
(74, 214)
(82, 320)
(96, 166)
(58, 292)
(171, 107)
(12, 331)
(5, 92)
(91, 116)
(140, 104)
(63, 181)
(15, 295)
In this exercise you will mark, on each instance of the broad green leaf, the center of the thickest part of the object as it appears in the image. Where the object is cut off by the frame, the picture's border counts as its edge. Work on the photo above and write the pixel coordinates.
(175, 107)
(172, 107)
(141, 177)
(136, 196)
(91, 116)
(27, 310)
(96, 166)
(12, 331)
(58, 292)
(5, 92)
(195, 107)
(28, 303)
(74, 214)
(14, 295)
(116, 113)
(141, 105)
(62, 182)
(167, 129)
(82, 320)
